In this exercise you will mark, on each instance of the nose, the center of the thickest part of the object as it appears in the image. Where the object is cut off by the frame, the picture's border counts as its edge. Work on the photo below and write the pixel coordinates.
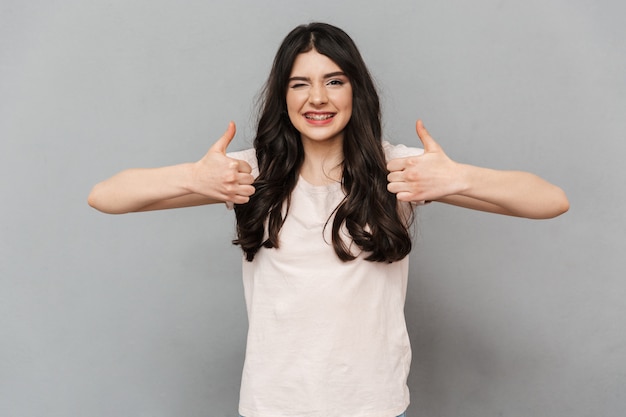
(317, 95)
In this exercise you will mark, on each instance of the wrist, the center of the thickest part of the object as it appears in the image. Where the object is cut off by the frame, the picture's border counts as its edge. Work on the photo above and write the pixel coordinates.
(464, 178)
(185, 177)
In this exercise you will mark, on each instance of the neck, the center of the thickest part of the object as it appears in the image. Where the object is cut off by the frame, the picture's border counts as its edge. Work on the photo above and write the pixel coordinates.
(323, 162)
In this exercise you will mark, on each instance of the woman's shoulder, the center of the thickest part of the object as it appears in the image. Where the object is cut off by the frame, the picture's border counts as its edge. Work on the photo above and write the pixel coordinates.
(399, 151)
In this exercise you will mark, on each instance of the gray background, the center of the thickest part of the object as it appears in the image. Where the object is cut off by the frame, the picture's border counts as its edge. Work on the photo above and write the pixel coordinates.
(143, 315)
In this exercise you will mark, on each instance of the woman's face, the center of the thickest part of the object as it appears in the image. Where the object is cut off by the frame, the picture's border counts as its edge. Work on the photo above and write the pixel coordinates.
(319, 99)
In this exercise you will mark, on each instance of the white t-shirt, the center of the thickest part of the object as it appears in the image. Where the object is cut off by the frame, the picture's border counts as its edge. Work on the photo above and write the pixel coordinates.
(326, 338)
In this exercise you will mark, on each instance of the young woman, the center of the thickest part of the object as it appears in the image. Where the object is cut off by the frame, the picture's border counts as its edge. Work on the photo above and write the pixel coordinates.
(323, 210)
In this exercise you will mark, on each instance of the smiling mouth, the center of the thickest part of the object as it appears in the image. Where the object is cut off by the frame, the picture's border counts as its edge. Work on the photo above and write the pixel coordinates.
(314, 116)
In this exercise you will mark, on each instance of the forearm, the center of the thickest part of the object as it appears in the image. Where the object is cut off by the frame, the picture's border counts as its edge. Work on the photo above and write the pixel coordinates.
(145, 189)
(513, 193)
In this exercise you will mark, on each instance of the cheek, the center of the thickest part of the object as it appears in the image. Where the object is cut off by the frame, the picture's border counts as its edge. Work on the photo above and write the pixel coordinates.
(348, 101)
(293, 118)
(294, 103)
(291, 109)
(348, 105)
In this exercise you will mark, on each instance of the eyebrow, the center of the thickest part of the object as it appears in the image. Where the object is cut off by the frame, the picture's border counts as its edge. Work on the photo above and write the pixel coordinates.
(326, 76)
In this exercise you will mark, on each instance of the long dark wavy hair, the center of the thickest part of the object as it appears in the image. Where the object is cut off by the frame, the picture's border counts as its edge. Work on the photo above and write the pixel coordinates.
(369, 212)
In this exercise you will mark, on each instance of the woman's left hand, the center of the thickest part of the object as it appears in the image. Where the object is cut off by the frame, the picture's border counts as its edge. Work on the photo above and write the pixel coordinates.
(425, 177)
(432, 176)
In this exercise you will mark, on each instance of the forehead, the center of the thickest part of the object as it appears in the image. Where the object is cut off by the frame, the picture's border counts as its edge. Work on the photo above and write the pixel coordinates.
(313, 63)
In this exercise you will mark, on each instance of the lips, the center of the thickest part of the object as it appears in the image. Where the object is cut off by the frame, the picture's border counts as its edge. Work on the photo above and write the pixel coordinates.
(318, 117)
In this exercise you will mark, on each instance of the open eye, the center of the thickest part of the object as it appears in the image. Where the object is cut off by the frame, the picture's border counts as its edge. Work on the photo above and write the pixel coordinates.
(335, 82)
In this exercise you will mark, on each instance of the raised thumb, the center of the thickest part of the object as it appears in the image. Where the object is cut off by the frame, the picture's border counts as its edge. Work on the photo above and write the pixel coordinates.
(222, 143)
(429, 143)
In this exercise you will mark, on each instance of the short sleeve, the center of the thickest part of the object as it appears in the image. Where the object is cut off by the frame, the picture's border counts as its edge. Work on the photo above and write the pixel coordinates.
(399, 151)
(402, 151)
(248, 155)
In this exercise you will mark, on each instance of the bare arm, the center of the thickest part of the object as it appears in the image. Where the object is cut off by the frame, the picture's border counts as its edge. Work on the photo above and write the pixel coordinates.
(215, 178)
(435, 177)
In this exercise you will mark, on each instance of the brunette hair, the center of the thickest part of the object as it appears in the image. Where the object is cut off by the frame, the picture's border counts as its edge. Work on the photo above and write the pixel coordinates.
(368, 212)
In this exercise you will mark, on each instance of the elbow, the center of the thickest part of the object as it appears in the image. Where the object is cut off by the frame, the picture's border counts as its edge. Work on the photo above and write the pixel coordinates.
(98, 201)
(563, 206)
(92, 199)
(548, 206)
(560, 205)
(95, 202)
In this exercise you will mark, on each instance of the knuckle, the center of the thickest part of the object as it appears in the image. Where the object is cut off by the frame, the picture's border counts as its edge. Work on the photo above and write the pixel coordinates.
(412, 175)
(229, 189)
(229, 177)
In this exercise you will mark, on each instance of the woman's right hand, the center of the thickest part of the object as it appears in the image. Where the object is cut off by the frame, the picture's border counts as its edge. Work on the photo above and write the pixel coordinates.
(220, 177)
(215, 178)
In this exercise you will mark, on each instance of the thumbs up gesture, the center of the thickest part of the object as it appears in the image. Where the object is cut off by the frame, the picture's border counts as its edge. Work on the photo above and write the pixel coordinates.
(220, 177)
(426, 177)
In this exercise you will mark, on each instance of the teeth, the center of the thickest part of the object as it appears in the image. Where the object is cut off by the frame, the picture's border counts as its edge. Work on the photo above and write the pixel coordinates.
(318, 116)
